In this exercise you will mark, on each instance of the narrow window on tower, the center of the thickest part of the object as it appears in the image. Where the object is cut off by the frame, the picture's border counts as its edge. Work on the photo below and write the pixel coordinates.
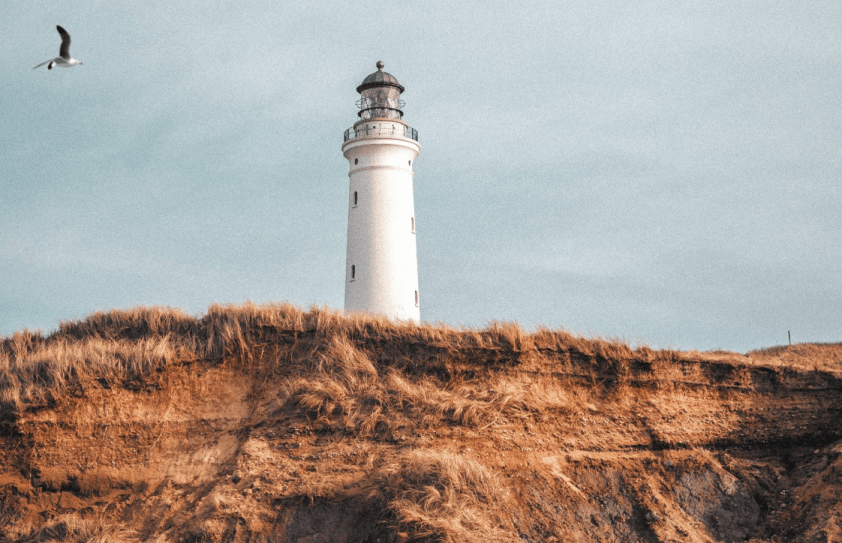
(416, 298)
(355, 198)
(354, 273)
(413, 224)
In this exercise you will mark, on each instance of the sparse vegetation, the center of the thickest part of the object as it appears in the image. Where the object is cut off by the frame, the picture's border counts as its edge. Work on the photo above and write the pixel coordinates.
(72, 529)
(445, 497)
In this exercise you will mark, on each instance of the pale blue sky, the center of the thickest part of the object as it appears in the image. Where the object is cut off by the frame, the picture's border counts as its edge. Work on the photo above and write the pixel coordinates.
(665, 172)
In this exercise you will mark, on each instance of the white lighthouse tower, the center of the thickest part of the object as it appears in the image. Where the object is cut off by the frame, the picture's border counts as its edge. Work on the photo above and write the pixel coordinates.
(381, 271)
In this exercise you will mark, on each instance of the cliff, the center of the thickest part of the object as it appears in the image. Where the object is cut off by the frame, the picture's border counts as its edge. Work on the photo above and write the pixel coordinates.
(269, 423)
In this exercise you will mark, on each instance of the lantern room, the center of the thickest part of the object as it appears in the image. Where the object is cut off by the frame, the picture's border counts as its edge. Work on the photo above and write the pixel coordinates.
(380, 96)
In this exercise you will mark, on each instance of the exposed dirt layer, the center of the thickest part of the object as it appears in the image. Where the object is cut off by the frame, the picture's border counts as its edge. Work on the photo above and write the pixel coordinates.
(266, 423)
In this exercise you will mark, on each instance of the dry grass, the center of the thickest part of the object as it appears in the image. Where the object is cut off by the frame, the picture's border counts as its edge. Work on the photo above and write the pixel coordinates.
(445, 497)
(340, 385)
(43, 372)
(362, 373)
(815, 356)
(70, 528)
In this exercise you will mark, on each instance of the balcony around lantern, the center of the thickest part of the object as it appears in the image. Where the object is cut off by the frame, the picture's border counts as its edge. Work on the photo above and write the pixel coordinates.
(381, 128)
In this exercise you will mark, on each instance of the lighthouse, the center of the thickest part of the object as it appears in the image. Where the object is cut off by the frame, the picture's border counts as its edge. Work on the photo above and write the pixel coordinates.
(381, 269)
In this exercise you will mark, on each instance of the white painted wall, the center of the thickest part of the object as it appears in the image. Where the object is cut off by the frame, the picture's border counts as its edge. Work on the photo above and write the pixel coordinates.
(381, 241)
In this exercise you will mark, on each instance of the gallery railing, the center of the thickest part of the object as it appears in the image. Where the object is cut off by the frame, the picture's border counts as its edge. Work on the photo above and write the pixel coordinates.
(381, 129)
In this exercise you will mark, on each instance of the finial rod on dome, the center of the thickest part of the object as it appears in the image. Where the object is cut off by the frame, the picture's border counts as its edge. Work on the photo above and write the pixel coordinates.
(380, 65)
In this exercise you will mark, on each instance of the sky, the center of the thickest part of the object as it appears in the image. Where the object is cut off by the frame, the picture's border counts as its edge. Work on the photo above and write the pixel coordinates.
(660, 172)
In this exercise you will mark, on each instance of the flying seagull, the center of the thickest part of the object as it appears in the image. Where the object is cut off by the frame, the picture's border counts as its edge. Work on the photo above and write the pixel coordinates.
(63, 59)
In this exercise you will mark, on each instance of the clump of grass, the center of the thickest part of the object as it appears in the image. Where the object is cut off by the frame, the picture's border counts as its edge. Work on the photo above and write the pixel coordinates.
(71, 528)
(341, 385)
(816, 356)
(42, 374)
(135, 323)
(444, 498)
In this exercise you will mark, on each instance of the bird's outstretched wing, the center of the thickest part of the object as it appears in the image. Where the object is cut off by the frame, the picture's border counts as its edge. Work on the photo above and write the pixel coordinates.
(46, 61)
(64, 52)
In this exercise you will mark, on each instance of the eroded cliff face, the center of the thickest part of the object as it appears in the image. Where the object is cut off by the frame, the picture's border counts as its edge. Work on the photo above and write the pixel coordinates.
(271, 424)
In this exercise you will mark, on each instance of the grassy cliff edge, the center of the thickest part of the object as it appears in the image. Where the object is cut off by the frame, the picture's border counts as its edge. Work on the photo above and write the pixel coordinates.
(269, 423)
